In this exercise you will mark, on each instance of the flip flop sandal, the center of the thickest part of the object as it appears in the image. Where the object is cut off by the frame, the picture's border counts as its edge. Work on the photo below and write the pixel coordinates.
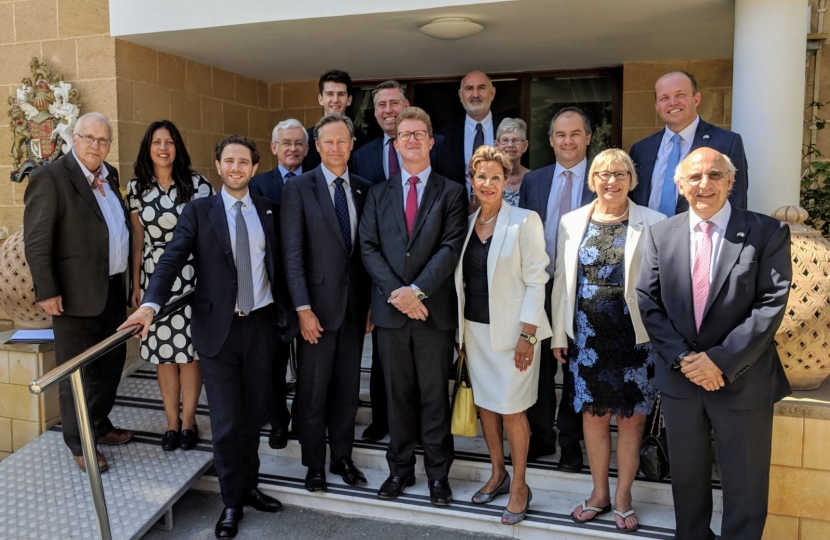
(585, 508)
(624, 515)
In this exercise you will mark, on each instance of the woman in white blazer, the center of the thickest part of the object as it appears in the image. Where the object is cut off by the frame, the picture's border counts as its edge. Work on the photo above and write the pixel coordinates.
(597, 329)
(500, 280)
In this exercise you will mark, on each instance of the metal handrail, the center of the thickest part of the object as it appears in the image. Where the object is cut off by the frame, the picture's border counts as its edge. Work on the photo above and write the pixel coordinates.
(72, 369)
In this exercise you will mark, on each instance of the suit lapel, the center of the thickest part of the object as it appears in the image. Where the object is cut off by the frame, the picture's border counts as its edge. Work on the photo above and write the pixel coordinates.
(76, 176)
(499, 234)
(679, 263)
(358, 197)
(219, 221)
(321, 191)
(395, 200)
(377, 160)
(266, 219)
(427, 200)
(632, 237)
(647, 167)
(702, 135)
(544, 188)
(587, 194)
(580, 217)
(731, 247)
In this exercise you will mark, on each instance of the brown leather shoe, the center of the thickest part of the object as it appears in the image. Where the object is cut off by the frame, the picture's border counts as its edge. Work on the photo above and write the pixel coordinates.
(102, 463)
(117, 436)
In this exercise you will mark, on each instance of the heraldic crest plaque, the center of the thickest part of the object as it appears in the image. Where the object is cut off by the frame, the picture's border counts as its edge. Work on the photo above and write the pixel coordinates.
(43, 114)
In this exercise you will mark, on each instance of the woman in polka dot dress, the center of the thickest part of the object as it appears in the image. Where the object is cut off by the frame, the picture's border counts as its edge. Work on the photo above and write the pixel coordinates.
(164, 183)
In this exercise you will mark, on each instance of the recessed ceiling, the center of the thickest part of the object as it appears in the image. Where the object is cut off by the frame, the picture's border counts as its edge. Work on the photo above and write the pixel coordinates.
(520, 35)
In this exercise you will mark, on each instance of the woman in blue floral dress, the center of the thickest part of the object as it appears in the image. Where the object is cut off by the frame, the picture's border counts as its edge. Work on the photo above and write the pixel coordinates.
(597, 329)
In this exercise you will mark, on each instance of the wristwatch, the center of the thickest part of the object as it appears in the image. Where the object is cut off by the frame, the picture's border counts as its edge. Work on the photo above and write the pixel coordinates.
(529, 338)
(676, 365)
(419, 294)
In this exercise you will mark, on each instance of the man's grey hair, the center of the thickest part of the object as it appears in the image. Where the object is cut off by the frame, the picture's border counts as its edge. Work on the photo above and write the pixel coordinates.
(679, 172)
(515, 125)
(92, 116)
(385, 85)
(288, 124)
(564, 110)
(330, 118)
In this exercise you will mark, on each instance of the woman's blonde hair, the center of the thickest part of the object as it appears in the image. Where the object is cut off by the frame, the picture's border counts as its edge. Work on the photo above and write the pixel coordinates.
(489, 153)
(606, 158)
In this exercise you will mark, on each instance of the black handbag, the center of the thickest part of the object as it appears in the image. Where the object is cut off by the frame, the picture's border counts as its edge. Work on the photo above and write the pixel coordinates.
(654, 450)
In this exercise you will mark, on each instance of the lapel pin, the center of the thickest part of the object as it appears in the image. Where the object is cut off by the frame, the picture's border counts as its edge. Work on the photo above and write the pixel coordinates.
(741, 234)
(706, 136)
(267, 212)
(358, 191)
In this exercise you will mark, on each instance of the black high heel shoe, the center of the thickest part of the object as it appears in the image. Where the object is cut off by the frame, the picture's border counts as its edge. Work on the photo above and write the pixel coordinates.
(190, 437)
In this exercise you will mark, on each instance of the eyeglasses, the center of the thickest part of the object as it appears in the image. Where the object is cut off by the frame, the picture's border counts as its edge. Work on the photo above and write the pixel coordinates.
(419, 135)
(288, 144)
(695, 179)
(511, 142)
(606, 175)
(91, 141)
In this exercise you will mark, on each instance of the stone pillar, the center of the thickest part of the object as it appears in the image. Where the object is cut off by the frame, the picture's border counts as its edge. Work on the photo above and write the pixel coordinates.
(768, 96)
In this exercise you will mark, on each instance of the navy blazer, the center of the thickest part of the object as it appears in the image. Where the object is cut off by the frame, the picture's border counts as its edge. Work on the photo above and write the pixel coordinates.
(269, 185)
(644, 155)
(746, 304)
(535, 190)
(426, 258)
(202, 230)
(454, 133)
(368, 160)
(320, 272)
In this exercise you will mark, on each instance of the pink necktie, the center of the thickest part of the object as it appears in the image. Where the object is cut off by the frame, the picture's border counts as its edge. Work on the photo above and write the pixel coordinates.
(700, 270)
(411, 204)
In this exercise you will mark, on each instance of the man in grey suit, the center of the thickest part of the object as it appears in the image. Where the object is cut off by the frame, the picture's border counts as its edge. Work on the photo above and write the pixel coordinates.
(712, 292)
(330, 290)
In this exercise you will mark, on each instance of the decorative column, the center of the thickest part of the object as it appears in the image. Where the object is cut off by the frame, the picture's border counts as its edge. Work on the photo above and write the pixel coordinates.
(768, 96)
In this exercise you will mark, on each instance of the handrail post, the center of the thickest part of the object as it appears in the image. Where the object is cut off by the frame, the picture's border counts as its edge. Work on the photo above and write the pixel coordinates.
(88, 441)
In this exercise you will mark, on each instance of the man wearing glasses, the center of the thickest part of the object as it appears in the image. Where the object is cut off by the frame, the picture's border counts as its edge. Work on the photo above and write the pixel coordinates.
(77, 243)
(411, 234)
(289, 142)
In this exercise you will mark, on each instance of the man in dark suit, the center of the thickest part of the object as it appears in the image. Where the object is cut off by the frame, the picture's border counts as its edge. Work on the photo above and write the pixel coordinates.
(676, 99)
(377, 161)
(239, 311)
(552, 192)
(330, 289)
(77, 246)
(336, 93)
(411, 235)
(476, 128)
(289, 142)
(712, 292)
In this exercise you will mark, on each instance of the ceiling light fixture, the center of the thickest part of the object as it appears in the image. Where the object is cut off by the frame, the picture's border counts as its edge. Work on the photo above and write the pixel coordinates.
(451, 28)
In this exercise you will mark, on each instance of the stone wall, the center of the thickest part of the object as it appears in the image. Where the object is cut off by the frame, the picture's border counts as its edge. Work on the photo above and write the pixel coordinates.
(294, 100)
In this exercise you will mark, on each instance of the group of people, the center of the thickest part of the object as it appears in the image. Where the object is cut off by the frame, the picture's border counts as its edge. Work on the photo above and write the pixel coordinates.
(641, 274)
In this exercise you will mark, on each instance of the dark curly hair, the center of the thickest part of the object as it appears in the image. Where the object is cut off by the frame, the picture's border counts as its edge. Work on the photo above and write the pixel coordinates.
(182, 172)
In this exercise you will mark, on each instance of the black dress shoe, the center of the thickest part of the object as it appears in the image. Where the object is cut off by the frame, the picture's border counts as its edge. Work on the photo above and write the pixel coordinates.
(190, 438)
(440, 493)
(375, 432)
(348, 472)
(262, 502)
(315, 479)
(228, 524)
(170, 440)
(571, 460)
(278, 438)
(394, 486)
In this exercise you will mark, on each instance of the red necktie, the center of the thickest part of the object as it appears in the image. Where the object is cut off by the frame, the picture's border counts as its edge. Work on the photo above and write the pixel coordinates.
(98, 182)
(411, 204)
(700, 270)
(394, 168)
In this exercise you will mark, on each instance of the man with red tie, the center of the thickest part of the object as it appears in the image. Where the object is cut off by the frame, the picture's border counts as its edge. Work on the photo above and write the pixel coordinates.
(411, 234)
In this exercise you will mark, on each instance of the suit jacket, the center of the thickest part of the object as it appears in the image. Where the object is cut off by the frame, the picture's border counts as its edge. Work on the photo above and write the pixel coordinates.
(572, 229)
(746, 303)
(644, 155)
(268, 185)
(202, 230)
(535, 190)
(66, 237)
(320, 272)
(454, 133)
(427, 258)
(368, 160)
(516, 277)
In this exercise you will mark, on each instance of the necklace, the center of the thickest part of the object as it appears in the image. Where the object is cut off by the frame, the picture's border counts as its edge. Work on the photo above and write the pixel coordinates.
(602, 217)
(487, 221)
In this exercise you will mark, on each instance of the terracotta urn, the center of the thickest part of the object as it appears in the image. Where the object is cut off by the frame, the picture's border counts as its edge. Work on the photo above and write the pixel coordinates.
(17, 293)
(803, 340)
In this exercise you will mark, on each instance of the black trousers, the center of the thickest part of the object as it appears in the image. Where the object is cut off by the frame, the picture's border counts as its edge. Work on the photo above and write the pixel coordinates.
(416, 362)
(542, 415)
(744, 444)
(377, 388)
(278, 414)
(73, 335)
(238, 382)
(328, 392)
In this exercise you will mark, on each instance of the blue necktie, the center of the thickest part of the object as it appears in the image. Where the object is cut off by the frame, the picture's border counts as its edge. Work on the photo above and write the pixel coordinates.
(341, 207)
(668, 196)
(244, 275)
(289, 175)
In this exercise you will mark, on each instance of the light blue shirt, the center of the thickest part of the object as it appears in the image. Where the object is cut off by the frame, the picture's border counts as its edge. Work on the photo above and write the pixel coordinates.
(330, 178)
(687, 137)
(552, 219)
(423, 176)
(387, 140)
(284, 171)
(469, 136)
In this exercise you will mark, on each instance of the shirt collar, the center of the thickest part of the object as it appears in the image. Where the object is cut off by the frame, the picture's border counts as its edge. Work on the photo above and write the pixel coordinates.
(87, 173)
(284, 171)
(687, 133)
(486, 123)
(423, 176)
(720, 219)
(386, 139)
(331, 177)
(578, 169)
(230, 201)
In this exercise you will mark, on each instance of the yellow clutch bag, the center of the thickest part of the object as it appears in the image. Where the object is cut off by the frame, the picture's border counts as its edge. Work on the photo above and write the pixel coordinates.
(464, 420)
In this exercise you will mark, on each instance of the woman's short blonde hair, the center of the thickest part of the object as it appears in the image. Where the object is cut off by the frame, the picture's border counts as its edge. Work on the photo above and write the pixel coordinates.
(612, 157)
(489, 153)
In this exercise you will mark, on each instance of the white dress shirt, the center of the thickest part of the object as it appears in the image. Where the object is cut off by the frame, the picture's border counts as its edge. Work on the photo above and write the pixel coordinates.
(687, 137)
(720, 221)
(119, 236)
(423, 176)
(387, 140)
(330, 178)
(284, 171)
(469, 136)
(552, 219)
(256, 239)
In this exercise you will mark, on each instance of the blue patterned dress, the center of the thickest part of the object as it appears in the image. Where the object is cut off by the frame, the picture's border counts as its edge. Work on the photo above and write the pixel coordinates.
(611, 373)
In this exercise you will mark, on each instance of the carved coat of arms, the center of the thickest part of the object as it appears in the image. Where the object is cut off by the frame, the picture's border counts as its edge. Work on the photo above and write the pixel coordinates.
(43, 114)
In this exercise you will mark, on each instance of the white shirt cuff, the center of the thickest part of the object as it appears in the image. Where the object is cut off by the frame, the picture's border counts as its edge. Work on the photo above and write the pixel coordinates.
(153, 305)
